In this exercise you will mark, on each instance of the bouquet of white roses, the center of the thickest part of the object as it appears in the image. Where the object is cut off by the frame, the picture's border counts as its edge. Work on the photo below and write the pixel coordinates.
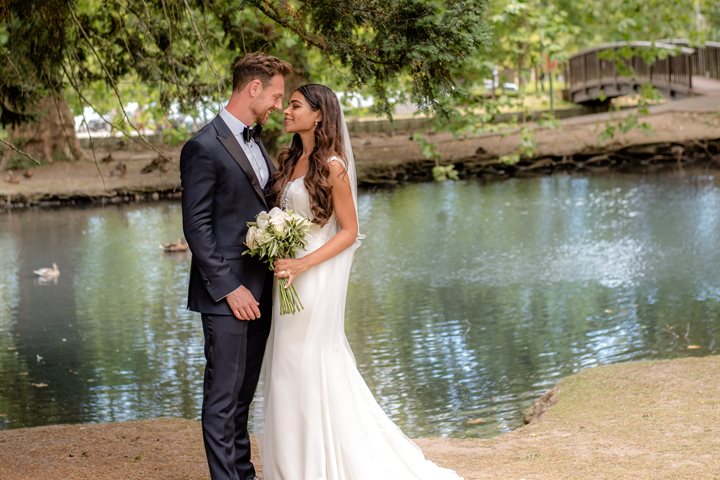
(278, 234)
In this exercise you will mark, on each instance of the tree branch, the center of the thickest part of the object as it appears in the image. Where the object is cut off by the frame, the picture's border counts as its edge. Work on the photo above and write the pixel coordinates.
(281, 18)
(9, 59)
(20, 151)
(204, 48)
(87, 127)
(111, 80)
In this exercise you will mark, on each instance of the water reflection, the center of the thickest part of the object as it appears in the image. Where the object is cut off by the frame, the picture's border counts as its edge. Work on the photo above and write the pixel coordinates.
(467, 300)
(490, 293)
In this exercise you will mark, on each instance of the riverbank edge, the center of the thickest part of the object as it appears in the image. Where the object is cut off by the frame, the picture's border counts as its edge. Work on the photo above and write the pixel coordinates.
(697, 153)
(702, 153)
(642, 420)
(676, 135)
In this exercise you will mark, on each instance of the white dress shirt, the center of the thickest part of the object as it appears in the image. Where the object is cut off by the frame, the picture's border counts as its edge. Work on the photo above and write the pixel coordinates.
(251, 148)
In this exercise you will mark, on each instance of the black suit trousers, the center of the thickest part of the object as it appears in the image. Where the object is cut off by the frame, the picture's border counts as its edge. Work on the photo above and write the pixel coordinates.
(234, 351)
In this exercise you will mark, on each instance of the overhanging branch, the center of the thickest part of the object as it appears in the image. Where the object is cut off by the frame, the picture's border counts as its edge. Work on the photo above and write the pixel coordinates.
(20, 151)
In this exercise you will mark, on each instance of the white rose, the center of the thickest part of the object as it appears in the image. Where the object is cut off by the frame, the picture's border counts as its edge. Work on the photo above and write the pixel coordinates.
(261, 237)
(278, 219)
(250, 237)
(280, 228)
(263, 219)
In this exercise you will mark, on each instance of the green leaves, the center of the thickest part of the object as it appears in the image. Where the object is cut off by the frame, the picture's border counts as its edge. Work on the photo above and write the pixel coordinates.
(433, 52)
(422, 42)
(182, 51)
(442, 173)
(29, 54)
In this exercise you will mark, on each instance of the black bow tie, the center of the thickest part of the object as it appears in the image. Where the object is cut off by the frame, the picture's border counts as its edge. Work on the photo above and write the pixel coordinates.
(252, 133)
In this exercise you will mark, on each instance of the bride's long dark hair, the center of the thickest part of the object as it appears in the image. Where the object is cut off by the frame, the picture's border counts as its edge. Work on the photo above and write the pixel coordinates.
(328, 142)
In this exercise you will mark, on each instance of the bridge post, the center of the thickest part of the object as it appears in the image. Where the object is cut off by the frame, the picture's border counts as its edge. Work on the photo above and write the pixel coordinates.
(615, 70)
(650, 72)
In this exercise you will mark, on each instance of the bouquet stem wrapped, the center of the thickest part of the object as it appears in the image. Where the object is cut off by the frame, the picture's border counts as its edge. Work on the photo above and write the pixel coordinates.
(278, 234)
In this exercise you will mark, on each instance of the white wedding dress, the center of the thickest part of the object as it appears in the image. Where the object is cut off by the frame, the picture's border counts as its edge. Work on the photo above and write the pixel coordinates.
(318, 419)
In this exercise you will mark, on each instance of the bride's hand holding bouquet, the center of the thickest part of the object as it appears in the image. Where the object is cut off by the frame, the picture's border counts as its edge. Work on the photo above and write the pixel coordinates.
(289, 268)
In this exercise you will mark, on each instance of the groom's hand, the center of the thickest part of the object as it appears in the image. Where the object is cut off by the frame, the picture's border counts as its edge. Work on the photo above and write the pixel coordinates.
(243, 304)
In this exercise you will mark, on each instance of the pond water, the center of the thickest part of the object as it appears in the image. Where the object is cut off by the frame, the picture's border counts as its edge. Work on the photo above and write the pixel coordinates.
(467, 301)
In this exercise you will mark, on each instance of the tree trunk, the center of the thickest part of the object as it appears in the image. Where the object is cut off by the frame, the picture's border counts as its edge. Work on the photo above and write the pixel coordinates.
(51, 137)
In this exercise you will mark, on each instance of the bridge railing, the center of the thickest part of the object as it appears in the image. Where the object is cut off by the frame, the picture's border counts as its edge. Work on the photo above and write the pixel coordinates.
(607, 70)
(706, 58)
(710, 58)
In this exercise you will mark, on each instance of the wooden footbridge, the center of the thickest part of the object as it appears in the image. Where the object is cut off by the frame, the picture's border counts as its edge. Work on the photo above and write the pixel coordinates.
(596, 75)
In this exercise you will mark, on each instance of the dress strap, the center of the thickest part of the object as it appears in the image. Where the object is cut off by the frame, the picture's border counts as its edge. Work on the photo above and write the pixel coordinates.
(336, 158)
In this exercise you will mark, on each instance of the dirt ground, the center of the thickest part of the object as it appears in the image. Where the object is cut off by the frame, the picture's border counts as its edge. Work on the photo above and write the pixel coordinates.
(645, 420)
(117, 174)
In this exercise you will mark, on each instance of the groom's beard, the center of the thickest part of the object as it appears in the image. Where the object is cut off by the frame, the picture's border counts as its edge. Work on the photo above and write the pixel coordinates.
(261, 118)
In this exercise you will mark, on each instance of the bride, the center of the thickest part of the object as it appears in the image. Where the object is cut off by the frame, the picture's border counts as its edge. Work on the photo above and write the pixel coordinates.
(319, 420)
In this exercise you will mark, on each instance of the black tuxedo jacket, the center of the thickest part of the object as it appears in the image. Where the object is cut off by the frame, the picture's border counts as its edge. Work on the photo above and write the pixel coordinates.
(221, 193)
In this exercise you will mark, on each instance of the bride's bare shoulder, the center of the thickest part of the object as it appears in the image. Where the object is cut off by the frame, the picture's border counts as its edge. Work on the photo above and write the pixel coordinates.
(338, 159)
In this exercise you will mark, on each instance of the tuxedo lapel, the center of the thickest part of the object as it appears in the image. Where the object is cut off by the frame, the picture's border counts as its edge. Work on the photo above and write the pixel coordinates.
(228, 140)
(271, 170)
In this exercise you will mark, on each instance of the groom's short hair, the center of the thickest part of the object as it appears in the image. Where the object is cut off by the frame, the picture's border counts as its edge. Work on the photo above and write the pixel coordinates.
(258, 65)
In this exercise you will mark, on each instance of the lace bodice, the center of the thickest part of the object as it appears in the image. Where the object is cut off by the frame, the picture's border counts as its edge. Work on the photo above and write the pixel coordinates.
(296, 197)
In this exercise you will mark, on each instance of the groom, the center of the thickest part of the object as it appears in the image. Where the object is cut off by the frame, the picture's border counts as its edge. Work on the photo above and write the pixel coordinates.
(225, 174)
